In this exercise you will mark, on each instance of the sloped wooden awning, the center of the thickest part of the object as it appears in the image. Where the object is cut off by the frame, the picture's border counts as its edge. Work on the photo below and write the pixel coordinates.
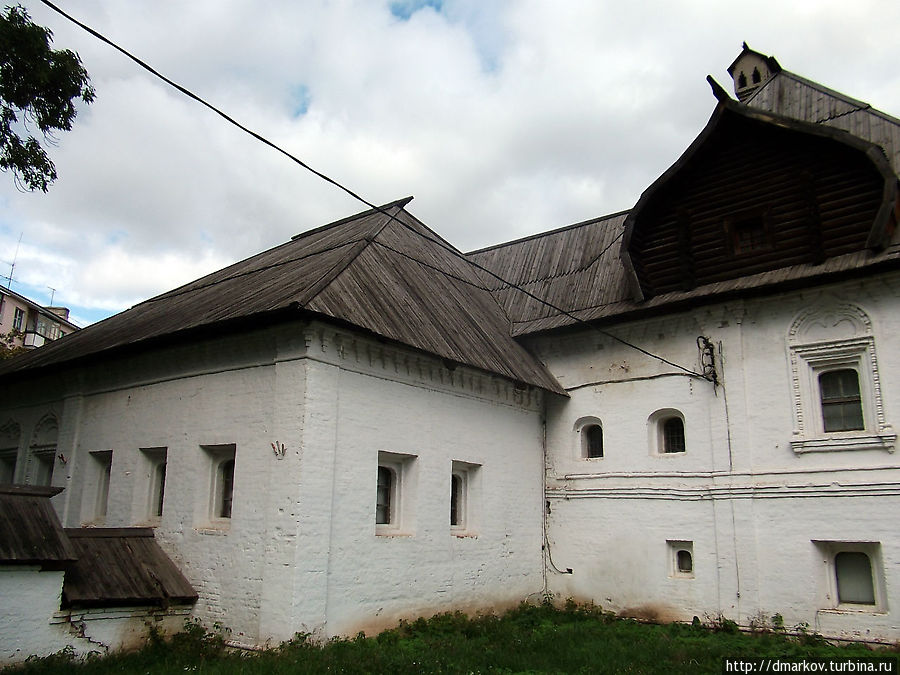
(122, 567)
(30, 532)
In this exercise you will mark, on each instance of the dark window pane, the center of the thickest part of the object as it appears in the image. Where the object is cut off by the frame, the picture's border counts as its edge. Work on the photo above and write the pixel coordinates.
(160, 488)
(383, 496)
(227, 478)
(593, 440)
(841, 402)
(853, 570)
(455, 490)
(685, 561)
(673, 435)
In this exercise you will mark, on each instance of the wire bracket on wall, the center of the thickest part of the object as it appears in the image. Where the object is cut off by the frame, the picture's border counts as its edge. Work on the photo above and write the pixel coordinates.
(279, 449)
(708, 359)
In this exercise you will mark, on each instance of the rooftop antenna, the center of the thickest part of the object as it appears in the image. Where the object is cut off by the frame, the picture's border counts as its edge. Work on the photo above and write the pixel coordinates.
(52, 293)
(12, 265)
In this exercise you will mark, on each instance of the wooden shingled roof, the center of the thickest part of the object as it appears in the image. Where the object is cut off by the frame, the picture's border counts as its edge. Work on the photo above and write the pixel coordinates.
(121, 567)
(579, 272)
(30, 531)
(381, 270)
(575, 269)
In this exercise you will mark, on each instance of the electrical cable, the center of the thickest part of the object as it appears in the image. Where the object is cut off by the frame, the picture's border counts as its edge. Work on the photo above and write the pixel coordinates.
(359, 198)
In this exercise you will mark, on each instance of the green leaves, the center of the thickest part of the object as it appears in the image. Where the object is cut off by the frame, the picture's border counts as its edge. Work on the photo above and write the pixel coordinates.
(38, 88)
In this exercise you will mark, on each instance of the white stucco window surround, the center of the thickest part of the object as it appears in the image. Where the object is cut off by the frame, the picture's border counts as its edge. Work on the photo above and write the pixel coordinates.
(394, 494)
(667, 433)
(681, 558)
(589, 438)
(221, 462)
(464, 499)
(827, 346)
(852, 577)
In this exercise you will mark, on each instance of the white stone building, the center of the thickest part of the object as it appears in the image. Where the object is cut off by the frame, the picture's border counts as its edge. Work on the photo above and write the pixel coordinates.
(683, 410)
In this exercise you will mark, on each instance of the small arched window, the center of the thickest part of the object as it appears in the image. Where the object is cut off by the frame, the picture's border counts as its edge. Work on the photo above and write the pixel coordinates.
(742, 80)
(684, 561)
(757, 78)
(673, 435)
(593, 441)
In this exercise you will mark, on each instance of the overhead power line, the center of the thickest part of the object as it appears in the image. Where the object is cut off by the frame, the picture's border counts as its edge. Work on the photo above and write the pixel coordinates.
(262, 139)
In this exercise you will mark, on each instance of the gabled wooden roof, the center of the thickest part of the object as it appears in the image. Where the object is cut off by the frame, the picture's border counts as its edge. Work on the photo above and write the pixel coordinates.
(381, 270)
(575, 269)
(30, 531)
(122, 567)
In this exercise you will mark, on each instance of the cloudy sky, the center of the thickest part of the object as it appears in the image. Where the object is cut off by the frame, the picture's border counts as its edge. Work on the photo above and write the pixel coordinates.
(502, 119)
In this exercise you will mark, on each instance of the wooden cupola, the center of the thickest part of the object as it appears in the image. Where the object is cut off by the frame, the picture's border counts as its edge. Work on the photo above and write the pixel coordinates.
(750, 70)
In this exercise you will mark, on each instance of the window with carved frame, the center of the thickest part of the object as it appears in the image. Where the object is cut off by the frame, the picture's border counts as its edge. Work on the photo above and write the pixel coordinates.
(837, 401)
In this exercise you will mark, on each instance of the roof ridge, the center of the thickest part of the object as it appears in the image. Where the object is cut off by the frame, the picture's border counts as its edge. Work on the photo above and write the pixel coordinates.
(376, 209)
(358, 247)
(538, 235)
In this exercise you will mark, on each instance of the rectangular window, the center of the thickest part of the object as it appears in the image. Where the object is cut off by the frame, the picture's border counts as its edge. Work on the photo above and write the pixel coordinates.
(18, 319)
(155, 459)
(384, 495)
(102, 471)
(463, 497)
(221, 500)
(394, 491)
(44, 462)
(841, 402)
(8, 465)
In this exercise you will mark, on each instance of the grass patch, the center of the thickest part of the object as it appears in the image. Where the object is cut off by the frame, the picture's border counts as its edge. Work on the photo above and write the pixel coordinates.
(529, 639)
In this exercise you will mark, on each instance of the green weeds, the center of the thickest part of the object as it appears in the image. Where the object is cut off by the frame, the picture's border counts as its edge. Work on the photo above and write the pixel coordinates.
(528, 639)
